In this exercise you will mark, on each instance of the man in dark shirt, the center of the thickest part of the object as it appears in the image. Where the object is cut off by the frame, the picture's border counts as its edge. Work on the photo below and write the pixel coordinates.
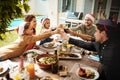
(107, 45)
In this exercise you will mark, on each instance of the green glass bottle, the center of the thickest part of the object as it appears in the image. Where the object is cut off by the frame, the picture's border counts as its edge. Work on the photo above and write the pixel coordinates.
(55, 65)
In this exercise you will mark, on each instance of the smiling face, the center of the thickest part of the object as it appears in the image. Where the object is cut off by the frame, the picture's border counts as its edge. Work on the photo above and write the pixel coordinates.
(33, 22)
(28, 29)
(31, 19)
(47, 24)
(88, 22)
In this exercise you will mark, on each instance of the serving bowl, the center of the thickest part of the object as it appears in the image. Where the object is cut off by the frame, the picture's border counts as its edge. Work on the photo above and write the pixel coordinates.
(45, 61)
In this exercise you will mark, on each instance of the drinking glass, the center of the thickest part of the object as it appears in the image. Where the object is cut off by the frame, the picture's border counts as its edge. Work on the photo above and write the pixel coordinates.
(30, 68)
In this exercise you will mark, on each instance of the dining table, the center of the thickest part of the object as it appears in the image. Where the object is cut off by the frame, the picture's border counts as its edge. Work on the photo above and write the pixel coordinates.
(71, 64)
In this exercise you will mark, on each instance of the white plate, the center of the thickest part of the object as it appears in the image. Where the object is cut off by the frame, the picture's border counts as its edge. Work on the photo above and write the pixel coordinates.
(89, 68)
(46, 45)
(4, 66)
(77, 49)
(77, 54)
(33, 52)
(51, 78)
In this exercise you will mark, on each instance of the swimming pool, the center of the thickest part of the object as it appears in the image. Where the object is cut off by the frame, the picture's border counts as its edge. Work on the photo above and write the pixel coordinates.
(14, 24)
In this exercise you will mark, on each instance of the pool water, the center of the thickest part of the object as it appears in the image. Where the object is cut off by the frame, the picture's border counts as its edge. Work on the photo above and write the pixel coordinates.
(15, 23)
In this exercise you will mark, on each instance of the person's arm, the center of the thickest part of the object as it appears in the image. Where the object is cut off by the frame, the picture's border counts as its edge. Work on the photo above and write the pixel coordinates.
(83, 36)
(79, 43)
(76, 28)
(82, 44)
(34, 38)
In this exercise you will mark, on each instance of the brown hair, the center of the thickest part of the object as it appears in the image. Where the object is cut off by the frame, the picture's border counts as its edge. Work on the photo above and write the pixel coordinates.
(29, 18)
(27, 25)
(108, 29)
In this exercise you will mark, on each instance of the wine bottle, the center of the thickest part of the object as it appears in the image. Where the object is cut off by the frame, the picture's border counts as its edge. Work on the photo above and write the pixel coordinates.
(55, 65)
(8, 77)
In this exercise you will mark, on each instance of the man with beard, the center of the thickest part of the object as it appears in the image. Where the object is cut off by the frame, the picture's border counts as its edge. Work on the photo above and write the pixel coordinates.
(85, 30)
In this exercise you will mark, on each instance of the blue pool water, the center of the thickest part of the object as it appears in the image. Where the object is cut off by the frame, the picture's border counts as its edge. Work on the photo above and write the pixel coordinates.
(15, 23)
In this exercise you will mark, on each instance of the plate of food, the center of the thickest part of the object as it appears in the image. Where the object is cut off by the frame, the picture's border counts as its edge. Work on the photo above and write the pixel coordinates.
(77, 49)
(45, 60)
(70, 56)
(48, 78)
(87, 73)
(50, 45)
(3, 68)
(33, 52)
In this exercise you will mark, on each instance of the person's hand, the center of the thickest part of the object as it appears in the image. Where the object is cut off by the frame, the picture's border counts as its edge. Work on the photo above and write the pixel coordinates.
(64, 36)
(59, 30)
(61, 26)
(55, 31)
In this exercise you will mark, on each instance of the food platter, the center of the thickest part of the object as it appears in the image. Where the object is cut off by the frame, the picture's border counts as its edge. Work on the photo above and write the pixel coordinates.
(93, 74)
(3, 67)
(49, 45)
(73, 56)
(77, 49)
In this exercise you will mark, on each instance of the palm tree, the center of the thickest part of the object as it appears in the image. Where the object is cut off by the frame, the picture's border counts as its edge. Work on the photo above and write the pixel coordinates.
(9, 10)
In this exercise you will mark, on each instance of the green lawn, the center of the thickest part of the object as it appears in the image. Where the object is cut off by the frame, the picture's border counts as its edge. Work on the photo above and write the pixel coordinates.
(9, 37)
(12, 36)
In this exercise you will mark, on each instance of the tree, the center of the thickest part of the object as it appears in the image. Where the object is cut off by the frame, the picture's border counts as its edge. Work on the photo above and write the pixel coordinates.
(9, 10)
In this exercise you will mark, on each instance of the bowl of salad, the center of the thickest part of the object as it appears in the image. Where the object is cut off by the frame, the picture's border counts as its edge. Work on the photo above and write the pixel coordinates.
(45, 60)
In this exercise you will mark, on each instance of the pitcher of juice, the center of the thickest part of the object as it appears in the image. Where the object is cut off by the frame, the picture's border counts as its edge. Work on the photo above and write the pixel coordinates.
(30, 68)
